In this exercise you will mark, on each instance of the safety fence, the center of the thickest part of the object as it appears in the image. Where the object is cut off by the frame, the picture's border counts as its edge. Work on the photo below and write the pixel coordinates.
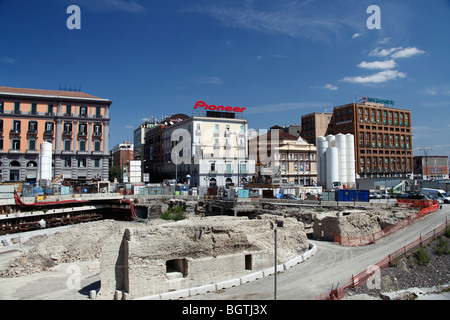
(431, 206)
(390, 260)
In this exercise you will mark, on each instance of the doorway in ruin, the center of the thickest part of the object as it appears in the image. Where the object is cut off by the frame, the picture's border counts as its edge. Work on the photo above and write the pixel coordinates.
(177, 265)
(248, 262)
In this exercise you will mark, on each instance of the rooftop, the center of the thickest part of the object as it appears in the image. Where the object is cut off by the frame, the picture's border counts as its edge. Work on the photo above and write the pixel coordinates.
(48, 93)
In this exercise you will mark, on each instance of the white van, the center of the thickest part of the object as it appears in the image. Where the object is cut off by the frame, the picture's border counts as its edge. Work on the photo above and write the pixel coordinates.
(436, 194)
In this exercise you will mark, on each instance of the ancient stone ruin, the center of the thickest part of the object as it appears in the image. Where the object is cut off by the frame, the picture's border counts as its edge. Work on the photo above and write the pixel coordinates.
(157, 257)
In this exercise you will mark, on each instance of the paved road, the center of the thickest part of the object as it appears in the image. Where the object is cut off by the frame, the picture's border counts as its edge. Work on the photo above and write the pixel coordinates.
(330, 266)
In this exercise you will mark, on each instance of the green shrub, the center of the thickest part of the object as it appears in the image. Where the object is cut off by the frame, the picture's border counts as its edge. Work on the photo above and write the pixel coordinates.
(422, 256)
(447, 232)
(442, 247)
(174, 213)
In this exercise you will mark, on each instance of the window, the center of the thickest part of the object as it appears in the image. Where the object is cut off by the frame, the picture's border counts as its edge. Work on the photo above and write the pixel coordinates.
(33, 108)
(97, 146)
(242, 130)
(16, 126)
(49, 127)
(67, 163)
(68, 110)
(50, 109)
(67, 145)
(15, 144)
(97, 129)
(17, 108)
(97, 163)
(82, 146)
(68, 128)
(216, 128)
(32, 144)
(213, 166)
(98, 112)
(1, 107)
(1, 126)
(83, 111)
(228, 168)
(81, 163)
(1, 144)
(32, 127)
(82, 129)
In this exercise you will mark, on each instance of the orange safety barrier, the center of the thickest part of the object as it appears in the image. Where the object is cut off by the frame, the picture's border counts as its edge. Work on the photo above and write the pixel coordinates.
(362, 277)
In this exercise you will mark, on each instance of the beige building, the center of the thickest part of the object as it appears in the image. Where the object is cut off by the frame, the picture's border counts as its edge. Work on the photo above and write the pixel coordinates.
(212, 151)
(287, 160)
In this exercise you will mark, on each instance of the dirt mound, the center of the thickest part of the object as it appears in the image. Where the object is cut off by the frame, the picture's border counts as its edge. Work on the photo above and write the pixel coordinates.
(81, 242)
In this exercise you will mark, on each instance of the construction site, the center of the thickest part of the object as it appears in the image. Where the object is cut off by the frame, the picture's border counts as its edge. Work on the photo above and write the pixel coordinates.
(110, 246)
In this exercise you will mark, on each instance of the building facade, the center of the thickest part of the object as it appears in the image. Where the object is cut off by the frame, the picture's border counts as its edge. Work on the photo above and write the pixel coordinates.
(284, 159)
(75, 123)
(383, 138)
(314, 125)
(139, 139)
(121, 156)
(214, 151)
(431, 167)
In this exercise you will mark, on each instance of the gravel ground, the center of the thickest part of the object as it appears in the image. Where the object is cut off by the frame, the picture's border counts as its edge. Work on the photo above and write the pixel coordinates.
(412, 272)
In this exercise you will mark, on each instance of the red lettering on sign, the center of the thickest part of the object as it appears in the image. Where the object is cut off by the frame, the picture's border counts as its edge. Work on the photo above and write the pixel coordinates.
(202, 104)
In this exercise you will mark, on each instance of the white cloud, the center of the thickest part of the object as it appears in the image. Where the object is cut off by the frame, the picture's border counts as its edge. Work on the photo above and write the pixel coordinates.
(385, 40)
(380, 52)
(330, 87)
(356, 35)
(379, 77)
(303, 19)
(396, 53)
(382, 65)
(129, 127)
(407, 53)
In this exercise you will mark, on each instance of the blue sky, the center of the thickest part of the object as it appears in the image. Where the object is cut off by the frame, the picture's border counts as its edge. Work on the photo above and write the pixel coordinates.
(279, 59)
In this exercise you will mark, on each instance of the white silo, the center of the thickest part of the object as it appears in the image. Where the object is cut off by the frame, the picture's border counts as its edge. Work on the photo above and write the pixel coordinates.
(341, 145)
(351, 165)
(322, 146)
(45, 161)
(332, 156)
(331, 141)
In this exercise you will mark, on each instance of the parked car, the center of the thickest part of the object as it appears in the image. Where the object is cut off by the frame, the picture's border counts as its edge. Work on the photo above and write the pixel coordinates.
(289, 197)
(374, 195)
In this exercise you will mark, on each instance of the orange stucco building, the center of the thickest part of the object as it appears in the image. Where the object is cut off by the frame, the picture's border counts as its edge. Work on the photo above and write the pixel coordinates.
(76, 123)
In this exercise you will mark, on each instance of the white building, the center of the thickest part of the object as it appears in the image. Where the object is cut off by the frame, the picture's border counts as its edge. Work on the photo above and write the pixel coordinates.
(209, 151)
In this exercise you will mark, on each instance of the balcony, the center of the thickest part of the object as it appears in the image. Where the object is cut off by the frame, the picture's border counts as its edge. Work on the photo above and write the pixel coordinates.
(32, 132)
(67, 133)
(82, 134)
(14, 132)
(48, 132)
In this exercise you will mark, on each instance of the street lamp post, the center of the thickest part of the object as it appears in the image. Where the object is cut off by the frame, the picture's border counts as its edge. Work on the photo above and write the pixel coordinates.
(279, 224)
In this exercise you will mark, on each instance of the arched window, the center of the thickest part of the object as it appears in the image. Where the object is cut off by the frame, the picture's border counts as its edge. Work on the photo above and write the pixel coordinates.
(14, 164)
(32, 164)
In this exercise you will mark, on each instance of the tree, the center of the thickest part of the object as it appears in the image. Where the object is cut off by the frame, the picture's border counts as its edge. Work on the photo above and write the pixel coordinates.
(115, 172)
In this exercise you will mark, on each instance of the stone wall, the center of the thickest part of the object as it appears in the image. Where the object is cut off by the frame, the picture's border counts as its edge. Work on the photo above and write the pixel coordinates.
(157, 257)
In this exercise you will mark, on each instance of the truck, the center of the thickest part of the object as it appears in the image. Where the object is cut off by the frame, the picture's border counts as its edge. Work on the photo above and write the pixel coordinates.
(437, 194)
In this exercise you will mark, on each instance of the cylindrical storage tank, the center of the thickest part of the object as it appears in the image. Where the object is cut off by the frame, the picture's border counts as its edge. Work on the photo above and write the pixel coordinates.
(322, 145)
(351, 164)
(331, 141)
(45, 161)
(332, 167)
(341, 145)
